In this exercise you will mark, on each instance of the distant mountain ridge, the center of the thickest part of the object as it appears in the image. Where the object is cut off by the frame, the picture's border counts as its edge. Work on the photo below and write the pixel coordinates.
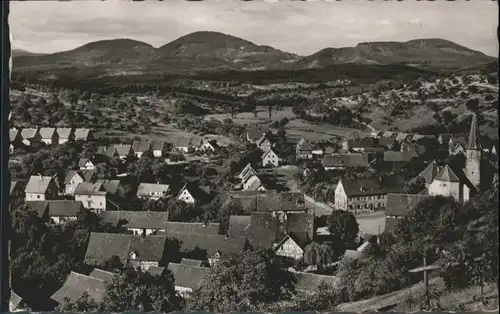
(206, 50)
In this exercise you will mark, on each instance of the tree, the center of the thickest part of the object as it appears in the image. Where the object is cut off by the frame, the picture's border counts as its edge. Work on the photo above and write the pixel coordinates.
(343, 227)
(242, 282)
(414, 186)
(472, 104)
(82, 304)
(318, 255)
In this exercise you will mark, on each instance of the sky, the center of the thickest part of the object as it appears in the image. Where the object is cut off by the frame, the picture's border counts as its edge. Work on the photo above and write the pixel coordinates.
(301, 27)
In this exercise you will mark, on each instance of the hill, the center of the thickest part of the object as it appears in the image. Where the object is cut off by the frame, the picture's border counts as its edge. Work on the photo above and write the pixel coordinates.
(21, 53)
(212, 53)
(424, 53)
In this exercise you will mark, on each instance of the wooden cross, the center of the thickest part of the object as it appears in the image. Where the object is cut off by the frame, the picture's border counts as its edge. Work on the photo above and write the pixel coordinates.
(425, 269)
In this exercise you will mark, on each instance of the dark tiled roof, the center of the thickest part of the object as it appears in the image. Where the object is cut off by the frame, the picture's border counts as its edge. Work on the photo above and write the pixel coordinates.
(12, 186)
(81, 134)
(184, 141)
(393, 156)
(386, 141)
(123, 149)
(88, 175)
(285, 201)
(29, 133)
(371, 186)
(363, 143)
(64, 133)
(47, 133)
(141, 146)
(402, 204)
(76, 285)
(149, 248)
(193, 228)
(39, 206)
(158, 145)
(429, 173)
(304, 145)
(473, 143)
(110, 186)
(70, 175)
(238, 225)
(103, 275)
(447, 175)
(155, 271)
(83, 161)
(38, 184)
(64, 208)
(199, 193)
(191, 262)
(402, 137)
(254, 133)
(346, 160)
(102, 246)
(137, 219)
(266, 230)
(211, 244)
(188, 276)
(88, 188)
(145, 189)
(311, 282)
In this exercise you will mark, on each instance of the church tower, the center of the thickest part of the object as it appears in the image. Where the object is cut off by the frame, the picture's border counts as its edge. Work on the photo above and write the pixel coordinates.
(474, 154)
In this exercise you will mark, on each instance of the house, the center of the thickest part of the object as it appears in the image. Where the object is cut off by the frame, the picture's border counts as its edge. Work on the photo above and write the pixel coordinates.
(156, 271)
(310, 283)
(187, 277)
(193, 262)
(158, 147)
(196, 142)
(14, 136)
(264, 143)
(184, 145)
(388, 134)
(209, 145)
(65, 135)
(123, 150)
(92, 195)
(76, 285)
(447, 183)
(146, 251)
(16, 189)
(304, 149)
(290, 247)
(253, 183)
(360, 145)
(71, 181)
(139, 251)
(402, 137)
(192, 193)
(317, 150)
(367, 194)
(268, 201)
(103, 275)
(113, 187)
(206, 247)
(345, 161)
(361, 251)
(86, 164)
(16, 303)
(48, 136)
(247, 172)
(139, 147)
(269, 158)
(397, 159)
(139, 222)
(152, 191)
(82, 134)
(386, 142)
(255, 132)
(110, 152)
(270, 230)
(59, 211)
(399, 206)
(40, 188)
(429, 173)
(238, 226)
(30, 136)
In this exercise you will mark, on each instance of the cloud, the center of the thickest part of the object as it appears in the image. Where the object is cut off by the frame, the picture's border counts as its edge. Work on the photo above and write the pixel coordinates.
(295, 26)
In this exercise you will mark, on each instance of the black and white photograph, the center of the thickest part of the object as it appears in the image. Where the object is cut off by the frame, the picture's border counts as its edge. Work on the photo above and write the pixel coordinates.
(253, 156)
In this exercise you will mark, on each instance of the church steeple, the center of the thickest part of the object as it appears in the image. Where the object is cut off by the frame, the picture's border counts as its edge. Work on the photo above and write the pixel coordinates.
(474, 155)
(474, 143)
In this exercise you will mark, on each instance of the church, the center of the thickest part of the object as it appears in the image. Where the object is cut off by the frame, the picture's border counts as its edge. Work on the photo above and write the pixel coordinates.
(461, 183)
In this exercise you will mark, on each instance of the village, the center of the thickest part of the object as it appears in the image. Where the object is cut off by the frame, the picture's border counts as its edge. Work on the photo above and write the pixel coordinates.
(287, 221)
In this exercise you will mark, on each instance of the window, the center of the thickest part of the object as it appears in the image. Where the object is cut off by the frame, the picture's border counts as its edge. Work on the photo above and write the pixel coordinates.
(38, 196)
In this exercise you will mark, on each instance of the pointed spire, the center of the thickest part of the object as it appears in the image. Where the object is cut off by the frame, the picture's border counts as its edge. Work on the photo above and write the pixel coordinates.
(474, 143)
